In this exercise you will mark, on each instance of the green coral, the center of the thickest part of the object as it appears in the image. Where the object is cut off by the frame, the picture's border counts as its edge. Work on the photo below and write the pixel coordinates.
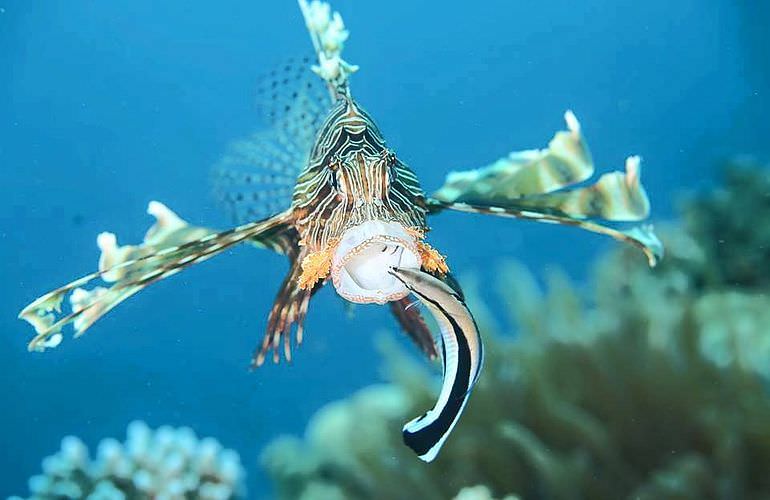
(652, 385)
(730, 224)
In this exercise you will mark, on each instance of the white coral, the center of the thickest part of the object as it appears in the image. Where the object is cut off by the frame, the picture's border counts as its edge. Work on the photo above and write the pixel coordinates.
(166, 464)
(479, 492)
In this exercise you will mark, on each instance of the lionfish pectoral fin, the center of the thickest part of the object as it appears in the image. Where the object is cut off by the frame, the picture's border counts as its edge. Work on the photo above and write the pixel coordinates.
(641, 236)
(462, 359)
(255, 177)
(411, 321)
(168, 247)
(539, 185)
(281, 238)
(565, 162)
(288, 312)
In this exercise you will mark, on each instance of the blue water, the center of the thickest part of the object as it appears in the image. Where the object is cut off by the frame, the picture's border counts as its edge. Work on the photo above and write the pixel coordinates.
(107, 105)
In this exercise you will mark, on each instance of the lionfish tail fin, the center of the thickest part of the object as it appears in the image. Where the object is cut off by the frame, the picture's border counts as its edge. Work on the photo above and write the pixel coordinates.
(328, 34)
(168, 247)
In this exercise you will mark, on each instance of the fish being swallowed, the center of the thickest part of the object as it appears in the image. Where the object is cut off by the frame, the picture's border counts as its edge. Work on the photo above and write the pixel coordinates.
(357, 218)
(462, 356)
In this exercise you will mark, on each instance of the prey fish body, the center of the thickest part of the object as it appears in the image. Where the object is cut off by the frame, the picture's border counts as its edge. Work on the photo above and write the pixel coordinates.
(356, 216)
(462, 357)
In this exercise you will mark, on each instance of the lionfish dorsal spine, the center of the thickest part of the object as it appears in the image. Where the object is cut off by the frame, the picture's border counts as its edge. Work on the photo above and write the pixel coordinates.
(328, 35)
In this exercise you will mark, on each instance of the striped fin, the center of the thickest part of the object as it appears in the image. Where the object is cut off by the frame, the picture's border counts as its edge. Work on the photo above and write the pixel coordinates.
(642, 237)
(169, 246)
(566, 161)
(616, 196)
(541, 182)
(462, 360)
(282, 239)
(287, 314)
(412, 322)
(498, 190)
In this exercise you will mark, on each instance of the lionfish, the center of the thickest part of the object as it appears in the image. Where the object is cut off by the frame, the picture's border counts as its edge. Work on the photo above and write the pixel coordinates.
(357, 219)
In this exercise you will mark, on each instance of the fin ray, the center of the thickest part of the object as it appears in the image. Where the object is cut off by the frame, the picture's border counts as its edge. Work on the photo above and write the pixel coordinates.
(539, 186)
(413, 324)
(165, 251)
(565, 162)
(256, 175)
(642, 236)
(287, 314)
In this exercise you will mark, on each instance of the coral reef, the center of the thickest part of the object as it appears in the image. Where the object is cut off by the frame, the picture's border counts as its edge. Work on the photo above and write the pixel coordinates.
(479, 492)
(728, 226)
(648, 384)
(164, 464)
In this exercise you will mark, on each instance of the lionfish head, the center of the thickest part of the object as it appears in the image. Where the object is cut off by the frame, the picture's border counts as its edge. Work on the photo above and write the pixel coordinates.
(378, 232)
(359, 210)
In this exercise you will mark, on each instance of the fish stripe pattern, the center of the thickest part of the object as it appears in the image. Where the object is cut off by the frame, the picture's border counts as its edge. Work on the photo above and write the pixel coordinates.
(643, 237)
(351, 177)
(153, 263)
(462, 361)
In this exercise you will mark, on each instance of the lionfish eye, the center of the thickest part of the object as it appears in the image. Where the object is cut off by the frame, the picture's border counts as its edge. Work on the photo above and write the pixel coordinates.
(392, 173)
(335, 164)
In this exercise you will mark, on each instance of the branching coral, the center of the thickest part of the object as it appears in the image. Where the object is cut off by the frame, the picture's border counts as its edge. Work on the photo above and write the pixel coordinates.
(170, 464)
(654, 388)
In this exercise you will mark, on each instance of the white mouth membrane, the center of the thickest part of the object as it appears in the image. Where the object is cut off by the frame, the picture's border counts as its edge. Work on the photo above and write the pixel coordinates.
(364, 256)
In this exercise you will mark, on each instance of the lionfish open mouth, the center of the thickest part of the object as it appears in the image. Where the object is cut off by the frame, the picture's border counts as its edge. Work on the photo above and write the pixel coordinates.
(364, 256)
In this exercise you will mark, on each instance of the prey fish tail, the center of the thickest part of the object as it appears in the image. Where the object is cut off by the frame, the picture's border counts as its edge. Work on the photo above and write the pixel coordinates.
(462, 359)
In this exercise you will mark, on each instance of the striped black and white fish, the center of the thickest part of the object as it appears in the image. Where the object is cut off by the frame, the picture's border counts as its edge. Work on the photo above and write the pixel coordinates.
(320, 186)
(462, 356)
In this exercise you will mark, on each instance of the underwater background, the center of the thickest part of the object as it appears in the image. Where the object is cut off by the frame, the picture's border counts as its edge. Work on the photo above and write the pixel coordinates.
(106, 106)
